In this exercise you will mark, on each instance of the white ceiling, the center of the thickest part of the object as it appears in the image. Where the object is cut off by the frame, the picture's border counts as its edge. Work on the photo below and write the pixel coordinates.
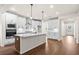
(37, 8)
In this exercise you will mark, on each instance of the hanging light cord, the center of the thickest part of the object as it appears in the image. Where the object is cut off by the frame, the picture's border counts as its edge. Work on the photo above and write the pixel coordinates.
(31, 9)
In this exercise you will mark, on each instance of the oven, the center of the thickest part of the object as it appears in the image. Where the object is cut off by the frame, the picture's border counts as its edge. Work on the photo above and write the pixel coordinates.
(10, 30)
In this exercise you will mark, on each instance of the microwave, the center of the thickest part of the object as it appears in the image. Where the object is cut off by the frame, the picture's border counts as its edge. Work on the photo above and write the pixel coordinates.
(11, 25)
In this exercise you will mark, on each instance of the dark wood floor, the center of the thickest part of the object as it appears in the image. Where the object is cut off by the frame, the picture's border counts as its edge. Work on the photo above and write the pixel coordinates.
(52, 47)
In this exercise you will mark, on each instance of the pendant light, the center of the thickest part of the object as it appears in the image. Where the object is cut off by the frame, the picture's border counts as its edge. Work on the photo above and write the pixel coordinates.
(42, 15)
(31, 10)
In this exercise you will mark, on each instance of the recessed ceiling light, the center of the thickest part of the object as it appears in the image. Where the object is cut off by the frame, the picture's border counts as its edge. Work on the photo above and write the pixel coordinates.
(51, 6)
(57, 13)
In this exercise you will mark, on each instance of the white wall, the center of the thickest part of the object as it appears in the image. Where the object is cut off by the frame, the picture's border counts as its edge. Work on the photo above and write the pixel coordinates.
(0, 31)
(2, 24)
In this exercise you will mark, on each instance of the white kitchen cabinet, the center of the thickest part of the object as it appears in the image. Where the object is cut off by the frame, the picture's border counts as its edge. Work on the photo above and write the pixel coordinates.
(53, 29)
(26, 42)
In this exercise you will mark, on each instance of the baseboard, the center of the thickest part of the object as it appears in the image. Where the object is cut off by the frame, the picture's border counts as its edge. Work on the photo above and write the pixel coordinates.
(10, 44)
(1, 45)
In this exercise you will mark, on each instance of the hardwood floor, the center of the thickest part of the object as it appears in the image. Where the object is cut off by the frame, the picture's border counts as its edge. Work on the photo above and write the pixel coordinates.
(52, 47)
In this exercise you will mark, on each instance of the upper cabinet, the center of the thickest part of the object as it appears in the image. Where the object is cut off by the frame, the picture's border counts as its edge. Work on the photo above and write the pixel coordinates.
(10, 18)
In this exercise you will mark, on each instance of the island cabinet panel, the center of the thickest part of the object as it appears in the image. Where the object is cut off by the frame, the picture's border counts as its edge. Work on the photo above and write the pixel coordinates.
(17, 43)
(24, 42)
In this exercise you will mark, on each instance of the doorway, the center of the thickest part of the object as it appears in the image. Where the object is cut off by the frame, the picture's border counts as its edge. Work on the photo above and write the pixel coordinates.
(68, 30)
(69, 27)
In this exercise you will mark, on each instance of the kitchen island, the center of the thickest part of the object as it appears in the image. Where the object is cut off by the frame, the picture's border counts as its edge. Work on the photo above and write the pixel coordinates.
(26, 42)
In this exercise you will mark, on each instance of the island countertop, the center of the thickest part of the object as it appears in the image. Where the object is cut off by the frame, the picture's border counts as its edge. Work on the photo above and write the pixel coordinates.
(29, 34)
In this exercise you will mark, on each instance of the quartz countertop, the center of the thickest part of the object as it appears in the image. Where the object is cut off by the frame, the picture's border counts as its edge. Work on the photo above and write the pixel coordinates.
(29, 34)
